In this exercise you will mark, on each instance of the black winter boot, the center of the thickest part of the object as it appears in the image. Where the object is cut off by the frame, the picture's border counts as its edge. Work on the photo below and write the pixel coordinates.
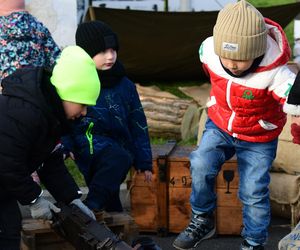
(246, 246)
(200, 228)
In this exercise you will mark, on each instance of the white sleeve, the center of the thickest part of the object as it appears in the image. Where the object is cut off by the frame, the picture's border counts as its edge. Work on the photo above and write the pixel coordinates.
(282, 83)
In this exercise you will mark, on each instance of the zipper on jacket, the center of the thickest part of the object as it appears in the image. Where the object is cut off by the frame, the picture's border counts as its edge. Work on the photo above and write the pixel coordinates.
(228, 88)
(89, 136)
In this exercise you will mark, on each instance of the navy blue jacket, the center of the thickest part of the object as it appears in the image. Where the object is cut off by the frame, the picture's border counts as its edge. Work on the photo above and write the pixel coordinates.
(117, 119)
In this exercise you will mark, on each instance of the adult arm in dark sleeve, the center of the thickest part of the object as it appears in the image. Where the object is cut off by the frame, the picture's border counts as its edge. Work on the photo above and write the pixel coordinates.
(292, 107)
(292, 104)
(57, 179)
(17, 140)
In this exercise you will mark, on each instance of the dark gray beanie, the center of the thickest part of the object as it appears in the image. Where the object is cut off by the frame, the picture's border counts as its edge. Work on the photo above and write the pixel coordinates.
(95, 37)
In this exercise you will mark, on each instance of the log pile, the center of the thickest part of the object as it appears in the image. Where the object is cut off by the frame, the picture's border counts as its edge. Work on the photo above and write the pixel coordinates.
(164, 111)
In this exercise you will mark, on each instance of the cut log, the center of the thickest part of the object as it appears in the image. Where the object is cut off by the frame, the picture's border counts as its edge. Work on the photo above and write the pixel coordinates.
(168, 117)
(156, 125)
(164, 111)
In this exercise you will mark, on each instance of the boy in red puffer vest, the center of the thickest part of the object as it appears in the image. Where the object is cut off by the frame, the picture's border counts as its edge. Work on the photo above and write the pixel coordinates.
(246, 62)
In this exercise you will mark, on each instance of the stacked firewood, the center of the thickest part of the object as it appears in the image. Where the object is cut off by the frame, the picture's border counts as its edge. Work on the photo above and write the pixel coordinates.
(164, 111)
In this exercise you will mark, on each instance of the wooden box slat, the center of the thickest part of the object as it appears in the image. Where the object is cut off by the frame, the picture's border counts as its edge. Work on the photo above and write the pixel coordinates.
(229, 220)
(38, 235)
(227, 200)
(180, 217)
(229, 208)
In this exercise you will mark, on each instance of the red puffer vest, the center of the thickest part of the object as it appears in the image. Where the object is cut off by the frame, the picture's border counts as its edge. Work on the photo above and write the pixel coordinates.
(250, 108)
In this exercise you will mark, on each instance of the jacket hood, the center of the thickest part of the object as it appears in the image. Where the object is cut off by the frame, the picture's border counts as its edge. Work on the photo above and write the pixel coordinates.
(278, 50)
(27, 84)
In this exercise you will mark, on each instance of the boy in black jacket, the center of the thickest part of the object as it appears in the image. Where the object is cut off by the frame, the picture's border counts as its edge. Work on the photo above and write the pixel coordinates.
(34, 108)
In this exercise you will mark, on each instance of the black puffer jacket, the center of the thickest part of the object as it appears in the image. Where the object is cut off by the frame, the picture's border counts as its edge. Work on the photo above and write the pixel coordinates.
(32, 120)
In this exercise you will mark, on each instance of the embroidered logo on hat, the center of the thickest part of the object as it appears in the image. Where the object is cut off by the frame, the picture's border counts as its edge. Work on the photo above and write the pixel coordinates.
(233, 47)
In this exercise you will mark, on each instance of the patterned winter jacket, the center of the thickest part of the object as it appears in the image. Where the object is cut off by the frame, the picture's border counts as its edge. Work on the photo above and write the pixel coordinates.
(250, 107)
(117, 119)
(24, 41)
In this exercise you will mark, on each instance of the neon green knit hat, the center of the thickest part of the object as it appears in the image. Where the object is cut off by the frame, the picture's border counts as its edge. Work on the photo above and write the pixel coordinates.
(75, 77)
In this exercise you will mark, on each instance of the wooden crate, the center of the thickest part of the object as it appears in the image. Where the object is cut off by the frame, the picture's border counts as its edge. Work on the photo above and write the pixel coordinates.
(229, 208)
(179, 188)
(163, 205)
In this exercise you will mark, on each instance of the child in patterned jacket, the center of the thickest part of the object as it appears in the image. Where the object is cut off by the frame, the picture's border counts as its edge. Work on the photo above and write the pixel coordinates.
(24, 41)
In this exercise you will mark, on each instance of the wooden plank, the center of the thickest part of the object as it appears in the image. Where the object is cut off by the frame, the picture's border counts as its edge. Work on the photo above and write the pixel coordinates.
(229, 208)
(144, 207)
(179, 174)
(179, 209)
(178, 196)
(162, 207)
(143, 196)
(229, 220)
(228, 199)
(179, 217)
(36, 226)
(38, 235)
(145, 217)
(139, 181)
(123, 225)
(181, 154)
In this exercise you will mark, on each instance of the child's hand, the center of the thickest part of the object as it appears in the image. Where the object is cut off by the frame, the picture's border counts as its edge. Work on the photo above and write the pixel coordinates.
(148, 175)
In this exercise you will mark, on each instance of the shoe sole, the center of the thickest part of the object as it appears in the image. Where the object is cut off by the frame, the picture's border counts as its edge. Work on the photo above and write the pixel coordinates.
(208, 236)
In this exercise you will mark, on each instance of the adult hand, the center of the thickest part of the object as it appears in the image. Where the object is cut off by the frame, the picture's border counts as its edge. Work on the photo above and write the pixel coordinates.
(295, 131)
(41, 209)
(83, 208)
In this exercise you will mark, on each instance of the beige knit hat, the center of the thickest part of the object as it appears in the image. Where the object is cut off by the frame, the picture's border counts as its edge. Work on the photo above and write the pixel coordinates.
(240, 32)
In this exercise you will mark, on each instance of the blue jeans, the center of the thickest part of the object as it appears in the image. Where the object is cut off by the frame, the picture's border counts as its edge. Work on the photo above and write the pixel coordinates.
(254, 162)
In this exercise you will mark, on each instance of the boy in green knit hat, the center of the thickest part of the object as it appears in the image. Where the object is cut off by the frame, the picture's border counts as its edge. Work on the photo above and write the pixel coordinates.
(35, 106)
